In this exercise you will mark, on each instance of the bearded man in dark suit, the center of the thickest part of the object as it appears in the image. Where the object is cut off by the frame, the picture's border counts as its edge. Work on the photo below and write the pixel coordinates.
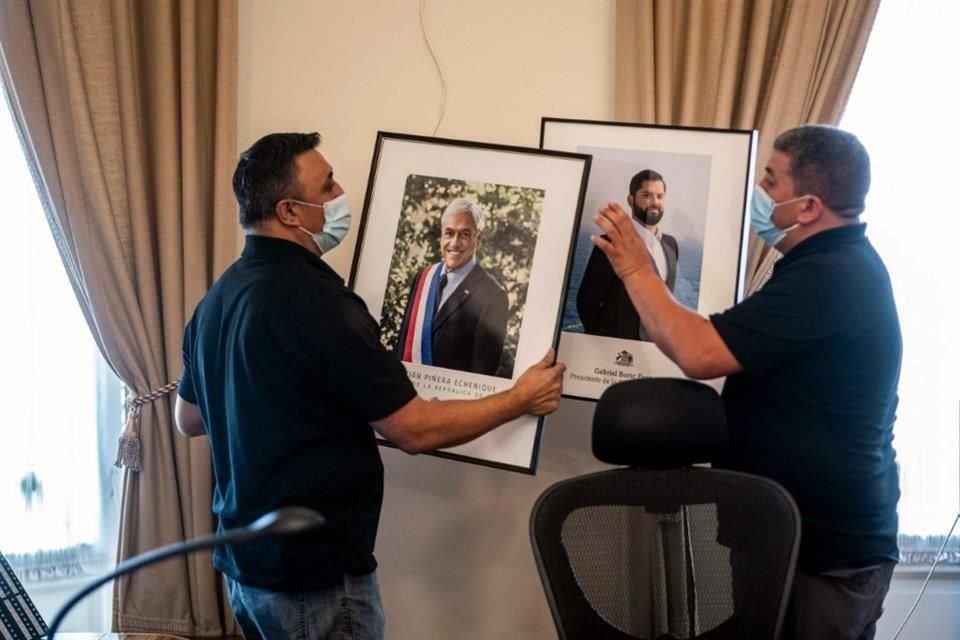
(456, 313)
(604, 307)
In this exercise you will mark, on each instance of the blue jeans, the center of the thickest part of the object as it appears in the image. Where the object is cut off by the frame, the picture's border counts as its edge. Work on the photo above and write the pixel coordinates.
(348, 611)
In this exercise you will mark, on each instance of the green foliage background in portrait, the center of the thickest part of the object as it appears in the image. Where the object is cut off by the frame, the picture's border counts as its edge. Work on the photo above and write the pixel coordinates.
(505, 251)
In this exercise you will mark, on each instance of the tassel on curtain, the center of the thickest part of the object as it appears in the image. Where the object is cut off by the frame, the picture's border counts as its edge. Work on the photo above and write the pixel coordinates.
(129, 451)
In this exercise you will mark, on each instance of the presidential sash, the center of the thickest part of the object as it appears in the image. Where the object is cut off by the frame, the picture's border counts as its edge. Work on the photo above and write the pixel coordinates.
(418, 342)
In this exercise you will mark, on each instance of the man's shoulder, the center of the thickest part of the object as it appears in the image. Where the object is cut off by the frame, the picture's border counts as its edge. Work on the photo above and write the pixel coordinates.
(479, 276)
(834, 281)
(850, 265)
(669, 241)
(293, 288)
(280, 273)
(419, 274)
(596, 255)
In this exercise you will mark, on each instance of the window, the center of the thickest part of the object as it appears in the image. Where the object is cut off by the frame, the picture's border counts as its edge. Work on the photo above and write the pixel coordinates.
(904, 108)
(62, 406)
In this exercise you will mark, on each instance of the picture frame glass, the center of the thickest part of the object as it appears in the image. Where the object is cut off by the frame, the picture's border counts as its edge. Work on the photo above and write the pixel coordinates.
(689, 203)
(463, 256)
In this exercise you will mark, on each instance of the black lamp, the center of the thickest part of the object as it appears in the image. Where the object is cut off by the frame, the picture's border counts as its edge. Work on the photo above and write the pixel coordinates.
(282, 522)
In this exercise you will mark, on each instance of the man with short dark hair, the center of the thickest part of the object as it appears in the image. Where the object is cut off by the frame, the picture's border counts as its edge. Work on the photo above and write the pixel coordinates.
(285, 373)
(456, 312)
(602, 301)
(813, 362)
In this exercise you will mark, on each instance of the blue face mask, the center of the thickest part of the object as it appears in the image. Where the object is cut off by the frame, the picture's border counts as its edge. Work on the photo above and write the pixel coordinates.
(336, 222)
(761, 217)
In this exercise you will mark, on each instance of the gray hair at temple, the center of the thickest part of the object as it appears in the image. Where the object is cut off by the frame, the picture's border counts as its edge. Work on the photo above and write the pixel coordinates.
(465, 205)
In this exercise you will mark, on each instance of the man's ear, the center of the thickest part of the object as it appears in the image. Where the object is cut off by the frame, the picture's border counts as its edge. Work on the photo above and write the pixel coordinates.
(811, 210)
(286, 214)
(630, 200)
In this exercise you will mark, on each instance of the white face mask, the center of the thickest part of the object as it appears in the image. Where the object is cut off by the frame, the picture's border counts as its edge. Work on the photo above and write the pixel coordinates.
(336, 222)
(761, 216)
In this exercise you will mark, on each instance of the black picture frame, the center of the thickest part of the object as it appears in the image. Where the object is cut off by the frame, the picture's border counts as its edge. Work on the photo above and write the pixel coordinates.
(708, 175)
(529, 201)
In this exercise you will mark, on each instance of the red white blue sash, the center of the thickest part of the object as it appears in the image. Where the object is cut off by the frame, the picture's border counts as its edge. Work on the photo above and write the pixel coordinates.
(418, 343)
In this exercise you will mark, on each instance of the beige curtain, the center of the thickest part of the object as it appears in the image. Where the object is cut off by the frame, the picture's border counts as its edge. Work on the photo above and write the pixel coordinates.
(127, 111)
(742, 64)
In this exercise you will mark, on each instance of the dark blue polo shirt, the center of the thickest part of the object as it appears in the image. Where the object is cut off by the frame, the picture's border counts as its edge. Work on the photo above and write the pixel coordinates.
(287, 368)
(814, 407)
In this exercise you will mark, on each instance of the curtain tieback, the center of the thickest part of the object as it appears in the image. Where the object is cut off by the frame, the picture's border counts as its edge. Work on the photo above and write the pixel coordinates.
(129, 453)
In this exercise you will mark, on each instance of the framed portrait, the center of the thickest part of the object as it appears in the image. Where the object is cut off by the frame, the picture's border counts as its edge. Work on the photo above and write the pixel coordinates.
(463, 256)
(686, 190)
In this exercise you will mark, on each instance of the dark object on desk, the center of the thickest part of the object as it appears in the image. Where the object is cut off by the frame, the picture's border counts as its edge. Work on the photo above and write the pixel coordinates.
(654, 552)
(19, 618)
(282, 522)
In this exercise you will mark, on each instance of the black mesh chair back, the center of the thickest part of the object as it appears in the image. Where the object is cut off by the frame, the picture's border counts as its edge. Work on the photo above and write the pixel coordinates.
(662, 549)
(628, 554)
(19, 618)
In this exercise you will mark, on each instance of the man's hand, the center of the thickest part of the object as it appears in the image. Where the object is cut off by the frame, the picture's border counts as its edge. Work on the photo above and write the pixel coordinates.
(623, 246)
(420, 425)
(540, 385)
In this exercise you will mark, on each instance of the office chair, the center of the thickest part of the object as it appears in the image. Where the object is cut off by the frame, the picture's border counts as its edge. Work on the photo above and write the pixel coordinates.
(19, 618)
(662, 549)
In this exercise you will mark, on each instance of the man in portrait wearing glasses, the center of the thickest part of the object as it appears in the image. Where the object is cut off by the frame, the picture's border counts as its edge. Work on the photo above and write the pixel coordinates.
(456, 313)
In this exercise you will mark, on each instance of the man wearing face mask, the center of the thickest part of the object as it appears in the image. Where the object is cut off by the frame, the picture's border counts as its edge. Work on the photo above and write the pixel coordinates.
(813, 361)
(285, 373)
(602, 301)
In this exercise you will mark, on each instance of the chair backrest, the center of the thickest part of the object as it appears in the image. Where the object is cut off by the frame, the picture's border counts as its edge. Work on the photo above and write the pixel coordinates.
(670, 550)
(680, 553)
(19, 618)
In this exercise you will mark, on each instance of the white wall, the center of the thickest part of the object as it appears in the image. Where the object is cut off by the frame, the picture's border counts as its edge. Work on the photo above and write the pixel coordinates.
(455, 561)
(349, 69)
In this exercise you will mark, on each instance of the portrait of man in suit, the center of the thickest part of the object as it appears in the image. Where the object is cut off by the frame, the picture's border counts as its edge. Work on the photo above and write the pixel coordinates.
(456, 312)
(602, 301)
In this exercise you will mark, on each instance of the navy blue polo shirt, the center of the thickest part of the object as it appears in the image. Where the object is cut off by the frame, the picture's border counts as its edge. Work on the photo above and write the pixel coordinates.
(814, 408)
(288, 370)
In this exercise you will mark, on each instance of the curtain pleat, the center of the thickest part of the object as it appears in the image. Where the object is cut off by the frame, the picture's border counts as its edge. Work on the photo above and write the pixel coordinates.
(739, 64)
(127, 111)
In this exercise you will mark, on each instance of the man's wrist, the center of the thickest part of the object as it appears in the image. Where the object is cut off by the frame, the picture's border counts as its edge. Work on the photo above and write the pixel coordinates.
(634, 271)
(517, 401)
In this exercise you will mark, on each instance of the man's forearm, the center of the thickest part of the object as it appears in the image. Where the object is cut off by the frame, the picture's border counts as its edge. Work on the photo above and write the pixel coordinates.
(665, 319)
(420, 425)
(686, 337)
(423, 425)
